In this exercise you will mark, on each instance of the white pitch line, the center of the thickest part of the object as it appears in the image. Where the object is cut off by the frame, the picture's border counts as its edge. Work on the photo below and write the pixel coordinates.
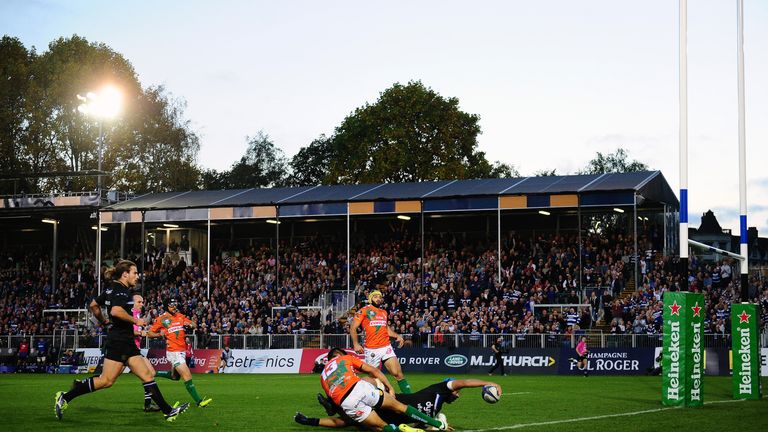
(573, 420)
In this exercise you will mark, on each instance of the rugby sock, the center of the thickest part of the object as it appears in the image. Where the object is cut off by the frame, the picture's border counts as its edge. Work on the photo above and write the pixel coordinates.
(404, 386)
(165, 374)
(157, 396)
(420, 416)
(80, 388)
(192, 391)
(389, 428)
(147, 398)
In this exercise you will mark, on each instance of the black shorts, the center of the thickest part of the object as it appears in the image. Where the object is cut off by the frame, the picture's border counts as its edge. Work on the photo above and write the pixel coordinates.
(120, 351)
(581, 357)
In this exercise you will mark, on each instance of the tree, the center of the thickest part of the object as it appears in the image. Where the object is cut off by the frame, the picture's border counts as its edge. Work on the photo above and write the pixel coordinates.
(160, 149)
(502, 170)
(311, 165)
(409, 134)
(263, 165)
(545, 173)
(211, 179)
(73, 66)
(617, 162)
(149, 147)
(15, 62)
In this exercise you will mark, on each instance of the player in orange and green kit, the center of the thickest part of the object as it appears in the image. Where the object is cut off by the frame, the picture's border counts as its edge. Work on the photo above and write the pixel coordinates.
(358, 398)
(373, 319)
(171, 324)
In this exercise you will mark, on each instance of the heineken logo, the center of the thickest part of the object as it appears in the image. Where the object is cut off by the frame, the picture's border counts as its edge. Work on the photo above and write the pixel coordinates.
(673, 391)
(745, 355)
(697, 362)
(744, 317)
(696, 309)
(675, 308)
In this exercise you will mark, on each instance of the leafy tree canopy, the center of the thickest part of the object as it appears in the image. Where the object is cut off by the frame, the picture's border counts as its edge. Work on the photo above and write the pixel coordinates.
(617, 162)
(410, 134)
(148, 147)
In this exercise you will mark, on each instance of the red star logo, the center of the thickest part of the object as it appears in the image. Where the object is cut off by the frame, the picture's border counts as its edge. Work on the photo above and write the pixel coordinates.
(696, 309)
(744, 317)
(675, 308)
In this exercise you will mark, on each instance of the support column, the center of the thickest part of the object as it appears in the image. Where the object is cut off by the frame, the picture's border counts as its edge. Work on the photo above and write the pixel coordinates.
(498, 229)
(55, 257)
(122, 240)
(683, 144)
(143, 249)
(744, 267)
(208, 259)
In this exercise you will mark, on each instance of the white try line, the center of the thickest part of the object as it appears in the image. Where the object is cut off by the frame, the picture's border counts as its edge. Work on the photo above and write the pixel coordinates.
(573, 420)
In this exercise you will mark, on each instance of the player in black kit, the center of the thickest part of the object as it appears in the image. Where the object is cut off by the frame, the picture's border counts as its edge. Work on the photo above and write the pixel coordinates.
(428, 400)
(120, 349)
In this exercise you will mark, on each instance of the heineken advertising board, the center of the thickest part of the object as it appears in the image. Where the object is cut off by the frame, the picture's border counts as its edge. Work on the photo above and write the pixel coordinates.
(683, 359)
(745, 351)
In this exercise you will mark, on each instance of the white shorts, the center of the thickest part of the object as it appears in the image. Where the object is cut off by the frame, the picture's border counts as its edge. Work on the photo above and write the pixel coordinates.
(375, 356)
(360, 401)
(176, 358)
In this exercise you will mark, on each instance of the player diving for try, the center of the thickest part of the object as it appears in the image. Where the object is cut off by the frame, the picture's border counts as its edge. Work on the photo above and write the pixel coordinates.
(359, 399)
(428, 400)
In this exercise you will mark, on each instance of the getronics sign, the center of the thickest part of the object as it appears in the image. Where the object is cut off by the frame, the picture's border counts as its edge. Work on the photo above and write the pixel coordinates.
(264, 361)
(745, 351)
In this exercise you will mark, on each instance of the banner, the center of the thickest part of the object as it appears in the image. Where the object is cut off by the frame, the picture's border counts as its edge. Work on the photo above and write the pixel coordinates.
(610, 361)
(313, 356)
(694, 369)
(517, 361)
(91, 357)
(477, 360)
(206, 360)
(683, 355)
(264, 361)
(745, 351)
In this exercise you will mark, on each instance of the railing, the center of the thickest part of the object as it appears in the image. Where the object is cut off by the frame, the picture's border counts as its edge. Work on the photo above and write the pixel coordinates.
(342, 301)
(71, 340)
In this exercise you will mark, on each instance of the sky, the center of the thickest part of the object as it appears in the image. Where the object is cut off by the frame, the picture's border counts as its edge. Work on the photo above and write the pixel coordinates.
(553, 81)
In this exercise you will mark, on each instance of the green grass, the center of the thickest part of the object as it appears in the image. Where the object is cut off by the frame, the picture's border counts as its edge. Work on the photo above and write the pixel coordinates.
(268, 402)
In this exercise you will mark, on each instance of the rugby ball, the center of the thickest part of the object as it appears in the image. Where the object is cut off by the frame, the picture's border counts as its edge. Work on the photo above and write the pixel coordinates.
(490, 394)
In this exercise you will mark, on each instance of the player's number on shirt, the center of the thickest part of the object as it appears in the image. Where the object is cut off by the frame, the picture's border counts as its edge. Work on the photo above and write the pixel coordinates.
(329, 369)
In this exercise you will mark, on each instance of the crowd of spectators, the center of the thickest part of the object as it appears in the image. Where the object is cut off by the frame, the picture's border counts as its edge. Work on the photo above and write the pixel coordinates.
(465, 287)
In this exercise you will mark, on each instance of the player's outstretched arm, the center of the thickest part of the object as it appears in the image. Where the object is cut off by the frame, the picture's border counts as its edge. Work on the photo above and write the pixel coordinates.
(353, 335)
(331, 422)
(376, 373)
(469, 383)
